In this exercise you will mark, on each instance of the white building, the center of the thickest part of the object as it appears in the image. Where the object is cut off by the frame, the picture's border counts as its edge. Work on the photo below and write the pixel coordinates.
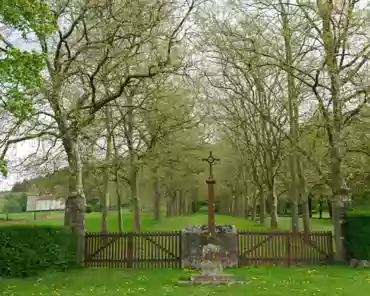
(44, 203)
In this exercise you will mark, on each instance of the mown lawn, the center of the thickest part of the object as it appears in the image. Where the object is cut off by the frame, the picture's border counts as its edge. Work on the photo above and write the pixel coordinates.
(93, 222)
(261, 281)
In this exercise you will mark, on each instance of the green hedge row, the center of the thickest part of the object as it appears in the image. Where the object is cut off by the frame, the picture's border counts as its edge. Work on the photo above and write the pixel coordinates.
(29, 250)
(357, 235)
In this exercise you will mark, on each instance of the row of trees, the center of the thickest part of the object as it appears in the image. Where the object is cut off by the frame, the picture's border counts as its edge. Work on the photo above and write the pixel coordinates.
(114, 77)
(134, 94)
(276, 61)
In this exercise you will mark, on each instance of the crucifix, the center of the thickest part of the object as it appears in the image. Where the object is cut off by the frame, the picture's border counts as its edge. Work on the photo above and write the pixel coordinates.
(211, 195)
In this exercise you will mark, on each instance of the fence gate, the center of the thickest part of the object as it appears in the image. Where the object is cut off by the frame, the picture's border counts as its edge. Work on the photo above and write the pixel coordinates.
(133, 250)
(284, 248)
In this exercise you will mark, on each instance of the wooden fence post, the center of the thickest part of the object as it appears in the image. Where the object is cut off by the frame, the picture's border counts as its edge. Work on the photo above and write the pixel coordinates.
(180, 248)
(130, 250)
(331, 248)
(86, 249)
(238, 248)
(289, 248)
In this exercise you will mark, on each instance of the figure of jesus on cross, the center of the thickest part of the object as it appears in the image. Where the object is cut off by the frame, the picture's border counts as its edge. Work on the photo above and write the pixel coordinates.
(211, 196)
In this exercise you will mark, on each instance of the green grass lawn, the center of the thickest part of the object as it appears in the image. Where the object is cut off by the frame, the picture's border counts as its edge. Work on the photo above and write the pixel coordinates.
(262, 281)
(93, 222)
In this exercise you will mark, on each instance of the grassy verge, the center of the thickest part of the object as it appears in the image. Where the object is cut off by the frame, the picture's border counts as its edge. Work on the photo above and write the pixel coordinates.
(263, 281)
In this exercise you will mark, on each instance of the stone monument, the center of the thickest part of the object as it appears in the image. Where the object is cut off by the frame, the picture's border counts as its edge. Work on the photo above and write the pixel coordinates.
(194, 238)
(212, 270)
(212, 253)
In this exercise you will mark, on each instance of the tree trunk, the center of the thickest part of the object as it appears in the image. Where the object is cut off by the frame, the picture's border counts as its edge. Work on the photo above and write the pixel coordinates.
(119, 207)
(262, 206)
(104, 205)
(304, 198)
(273, 208)
(157, 196)
(117, 183)
(129, 135)
(293, 119)
(242, 208)
(134, 197)
(339, 187)
(320, 208)
(171, 204)
(175, 204)
(75, 168)
(246, 207)
(74, 215)
(181, 203)
(186, 204)
(310, 206)
(168, 209)
(306, 214)
(254, 208)
(234, 204)
(330, 209)
(105, 198)
(119, 201)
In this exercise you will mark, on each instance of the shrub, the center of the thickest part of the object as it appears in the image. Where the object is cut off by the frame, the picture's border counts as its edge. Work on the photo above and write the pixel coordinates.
(357, 235)
(11, 206)
(29, 250)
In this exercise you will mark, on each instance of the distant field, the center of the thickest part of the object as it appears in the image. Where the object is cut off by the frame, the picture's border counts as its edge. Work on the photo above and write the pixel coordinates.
(93, 221)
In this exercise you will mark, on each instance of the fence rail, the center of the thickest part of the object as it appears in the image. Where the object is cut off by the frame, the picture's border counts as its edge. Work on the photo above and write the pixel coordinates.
(133, 250)
(163, 250)
(284, 248)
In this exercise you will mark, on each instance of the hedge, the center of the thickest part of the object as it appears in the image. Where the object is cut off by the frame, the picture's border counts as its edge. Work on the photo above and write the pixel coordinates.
(357, 235)
(29, 250)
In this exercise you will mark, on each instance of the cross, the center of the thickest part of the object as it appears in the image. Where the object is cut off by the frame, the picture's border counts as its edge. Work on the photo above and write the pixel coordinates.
(211, 196)
(210, 159)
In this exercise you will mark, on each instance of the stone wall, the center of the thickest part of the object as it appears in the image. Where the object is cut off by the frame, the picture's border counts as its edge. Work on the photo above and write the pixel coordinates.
(194, 238)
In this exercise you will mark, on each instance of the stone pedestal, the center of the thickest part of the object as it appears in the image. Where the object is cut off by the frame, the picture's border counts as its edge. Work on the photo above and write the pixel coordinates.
(221, 279)
(211, 264)
(211, 267)
(196, 237)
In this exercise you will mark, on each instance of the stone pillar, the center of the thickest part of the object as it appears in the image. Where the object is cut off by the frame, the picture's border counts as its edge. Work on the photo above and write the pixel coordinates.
(74, 218)
(211, 208)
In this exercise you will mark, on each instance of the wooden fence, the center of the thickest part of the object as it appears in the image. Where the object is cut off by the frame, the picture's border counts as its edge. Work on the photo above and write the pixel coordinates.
(284, 248)
(163, 250)
(133, 250)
